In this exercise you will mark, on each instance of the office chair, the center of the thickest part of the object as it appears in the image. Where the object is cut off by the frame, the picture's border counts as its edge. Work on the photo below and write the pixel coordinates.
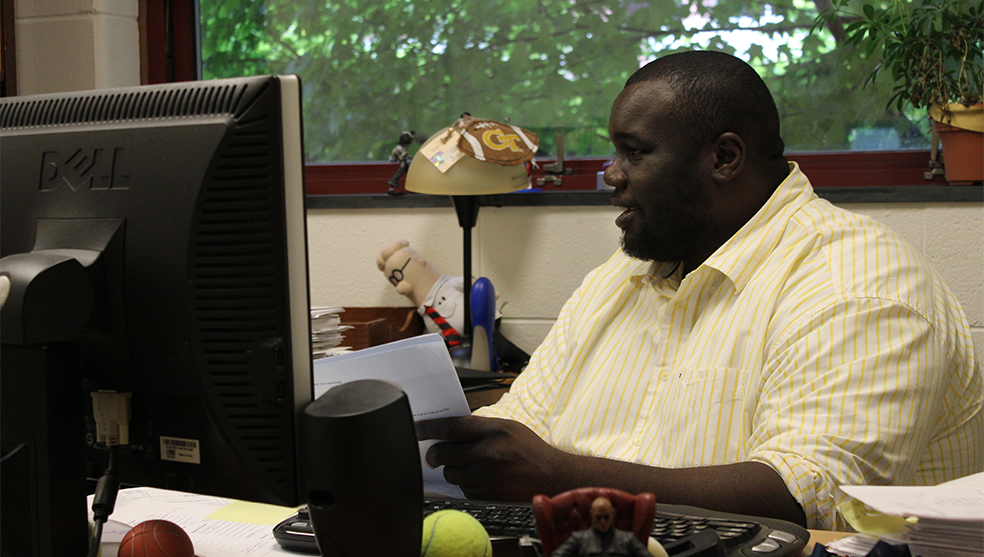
(559, 516)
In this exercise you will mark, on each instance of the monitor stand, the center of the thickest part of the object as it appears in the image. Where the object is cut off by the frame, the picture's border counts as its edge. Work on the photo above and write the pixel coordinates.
(44, 484)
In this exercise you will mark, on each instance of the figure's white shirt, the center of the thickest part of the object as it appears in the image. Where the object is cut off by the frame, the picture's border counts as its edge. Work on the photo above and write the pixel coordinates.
(445, 296)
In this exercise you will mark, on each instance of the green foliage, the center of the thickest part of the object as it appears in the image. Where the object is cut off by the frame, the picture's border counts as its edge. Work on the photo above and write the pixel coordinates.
(373, 68)
(933, 49)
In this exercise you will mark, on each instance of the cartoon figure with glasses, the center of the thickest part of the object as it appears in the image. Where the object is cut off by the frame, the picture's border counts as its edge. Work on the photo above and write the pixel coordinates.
(436, 296)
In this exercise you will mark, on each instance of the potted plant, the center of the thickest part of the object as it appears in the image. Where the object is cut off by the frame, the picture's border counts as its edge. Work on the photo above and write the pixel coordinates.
(933, 51)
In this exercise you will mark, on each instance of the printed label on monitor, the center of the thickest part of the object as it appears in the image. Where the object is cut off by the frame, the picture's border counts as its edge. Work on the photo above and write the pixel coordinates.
(180, 450)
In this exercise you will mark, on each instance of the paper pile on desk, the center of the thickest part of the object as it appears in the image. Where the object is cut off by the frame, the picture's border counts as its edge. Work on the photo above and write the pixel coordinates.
(422, 367)
(950, 516)
(218, 527)
(327, 332)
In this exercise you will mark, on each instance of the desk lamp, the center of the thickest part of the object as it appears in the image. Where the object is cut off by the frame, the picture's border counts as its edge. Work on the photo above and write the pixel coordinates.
(473, 157)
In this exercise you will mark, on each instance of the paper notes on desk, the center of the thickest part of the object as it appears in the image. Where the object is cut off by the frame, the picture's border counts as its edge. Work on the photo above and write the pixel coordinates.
(949, 517)
(959, 500)
(218, 527)
(327, 332)
(422, 367)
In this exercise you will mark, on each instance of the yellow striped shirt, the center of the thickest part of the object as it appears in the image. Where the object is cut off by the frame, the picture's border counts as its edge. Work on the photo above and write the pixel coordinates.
(815, 340)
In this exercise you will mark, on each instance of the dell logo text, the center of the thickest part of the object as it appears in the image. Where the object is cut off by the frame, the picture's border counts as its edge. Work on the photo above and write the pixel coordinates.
(95, 170)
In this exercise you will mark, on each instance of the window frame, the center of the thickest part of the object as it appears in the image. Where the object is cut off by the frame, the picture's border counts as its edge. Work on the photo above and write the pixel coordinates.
(170, 52)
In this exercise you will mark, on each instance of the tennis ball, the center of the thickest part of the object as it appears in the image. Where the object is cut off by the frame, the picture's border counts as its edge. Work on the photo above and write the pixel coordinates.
(452, 533)
(156, 538)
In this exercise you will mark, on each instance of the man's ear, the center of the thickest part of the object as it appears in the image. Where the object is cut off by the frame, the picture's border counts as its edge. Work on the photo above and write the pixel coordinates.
(729, 157)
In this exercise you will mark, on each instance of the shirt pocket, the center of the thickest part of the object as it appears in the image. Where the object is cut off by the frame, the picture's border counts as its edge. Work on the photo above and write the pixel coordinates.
(703, 387)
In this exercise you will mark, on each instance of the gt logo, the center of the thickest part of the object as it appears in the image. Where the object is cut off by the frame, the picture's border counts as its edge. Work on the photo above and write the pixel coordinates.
(98, 170)
(498, 140)
(503, 144)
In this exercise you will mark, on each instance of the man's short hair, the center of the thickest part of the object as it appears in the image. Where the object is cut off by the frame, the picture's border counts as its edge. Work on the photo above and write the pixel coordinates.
(718, 93)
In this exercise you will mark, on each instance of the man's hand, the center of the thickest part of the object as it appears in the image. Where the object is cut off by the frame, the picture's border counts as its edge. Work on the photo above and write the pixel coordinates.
(493, 459)
(503, 460)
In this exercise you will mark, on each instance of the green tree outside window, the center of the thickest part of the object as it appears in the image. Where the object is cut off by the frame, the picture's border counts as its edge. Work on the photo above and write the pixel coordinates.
(372, 69)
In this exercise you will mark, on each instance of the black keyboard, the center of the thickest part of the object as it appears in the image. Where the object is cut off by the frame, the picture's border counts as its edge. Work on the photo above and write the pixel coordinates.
(682, 530)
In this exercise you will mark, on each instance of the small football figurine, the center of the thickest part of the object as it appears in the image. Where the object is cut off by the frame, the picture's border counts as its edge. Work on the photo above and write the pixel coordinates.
(156, 538)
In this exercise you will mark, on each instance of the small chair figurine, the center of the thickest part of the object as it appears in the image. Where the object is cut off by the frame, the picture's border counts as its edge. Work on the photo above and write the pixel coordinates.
(597, 509)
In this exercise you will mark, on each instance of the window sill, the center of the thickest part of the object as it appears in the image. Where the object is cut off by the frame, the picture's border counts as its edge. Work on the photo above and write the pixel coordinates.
(874, 194)
(849, 177)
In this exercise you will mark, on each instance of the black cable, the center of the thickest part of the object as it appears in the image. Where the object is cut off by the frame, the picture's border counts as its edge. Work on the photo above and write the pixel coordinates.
(12, 452)
(104, 500)
(96, 539)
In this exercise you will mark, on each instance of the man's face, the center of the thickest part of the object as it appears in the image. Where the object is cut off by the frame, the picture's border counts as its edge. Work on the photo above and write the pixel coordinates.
(601, 515)
(656, 176)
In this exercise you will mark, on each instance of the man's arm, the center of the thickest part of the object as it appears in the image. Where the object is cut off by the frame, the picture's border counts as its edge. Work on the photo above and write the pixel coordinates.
(496, 459)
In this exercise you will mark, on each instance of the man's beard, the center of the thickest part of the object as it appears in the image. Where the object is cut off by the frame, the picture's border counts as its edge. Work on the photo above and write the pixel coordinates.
(672, 232)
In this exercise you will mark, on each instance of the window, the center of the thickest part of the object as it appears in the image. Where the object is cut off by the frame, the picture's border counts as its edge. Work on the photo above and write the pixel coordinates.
(372, 69)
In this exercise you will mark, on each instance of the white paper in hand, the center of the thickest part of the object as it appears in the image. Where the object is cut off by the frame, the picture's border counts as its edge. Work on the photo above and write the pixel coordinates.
(422, 367)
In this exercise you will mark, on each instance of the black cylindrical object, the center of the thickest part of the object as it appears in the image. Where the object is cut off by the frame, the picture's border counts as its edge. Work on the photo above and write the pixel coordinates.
(361, 471)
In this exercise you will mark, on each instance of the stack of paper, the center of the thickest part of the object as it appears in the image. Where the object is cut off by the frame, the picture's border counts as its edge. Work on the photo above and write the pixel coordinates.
(949, 517)
(947, 538)
(217, 527)
(327, 332)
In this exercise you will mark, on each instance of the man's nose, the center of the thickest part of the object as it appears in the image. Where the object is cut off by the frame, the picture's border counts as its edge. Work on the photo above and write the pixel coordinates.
(613, 175)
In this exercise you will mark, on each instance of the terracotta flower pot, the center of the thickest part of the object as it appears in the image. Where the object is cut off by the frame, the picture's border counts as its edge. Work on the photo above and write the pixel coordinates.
(962, 135)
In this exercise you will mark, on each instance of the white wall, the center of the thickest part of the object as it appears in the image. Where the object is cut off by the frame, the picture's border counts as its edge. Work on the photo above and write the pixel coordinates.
(535, 256)
(74, 45)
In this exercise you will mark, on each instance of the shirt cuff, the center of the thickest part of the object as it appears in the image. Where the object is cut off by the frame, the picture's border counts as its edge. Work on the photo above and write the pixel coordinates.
(808, 485)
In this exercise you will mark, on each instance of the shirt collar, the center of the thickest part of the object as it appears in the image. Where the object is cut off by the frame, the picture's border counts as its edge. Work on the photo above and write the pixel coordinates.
(652, 272)
(739, 257)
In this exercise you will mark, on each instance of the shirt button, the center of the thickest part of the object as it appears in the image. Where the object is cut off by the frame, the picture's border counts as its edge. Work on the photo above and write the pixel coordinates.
(637, 442)
(664, 375)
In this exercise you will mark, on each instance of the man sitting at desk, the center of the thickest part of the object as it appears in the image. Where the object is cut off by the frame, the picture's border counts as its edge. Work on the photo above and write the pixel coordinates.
(749, 349)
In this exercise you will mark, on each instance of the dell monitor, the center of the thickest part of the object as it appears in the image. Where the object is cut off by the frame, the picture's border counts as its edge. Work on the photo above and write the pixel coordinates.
(154, 260)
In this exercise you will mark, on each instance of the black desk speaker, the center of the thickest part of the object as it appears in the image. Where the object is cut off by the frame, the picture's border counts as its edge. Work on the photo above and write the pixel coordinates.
(361, 470)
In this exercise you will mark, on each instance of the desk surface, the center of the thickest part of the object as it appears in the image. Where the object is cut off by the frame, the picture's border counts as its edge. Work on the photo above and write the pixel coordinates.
(225, 528)
(816, 536)
(822, 537)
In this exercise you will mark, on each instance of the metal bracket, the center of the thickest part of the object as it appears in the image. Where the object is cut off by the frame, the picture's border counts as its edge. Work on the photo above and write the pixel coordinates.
(935, 158)
(554, 173)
